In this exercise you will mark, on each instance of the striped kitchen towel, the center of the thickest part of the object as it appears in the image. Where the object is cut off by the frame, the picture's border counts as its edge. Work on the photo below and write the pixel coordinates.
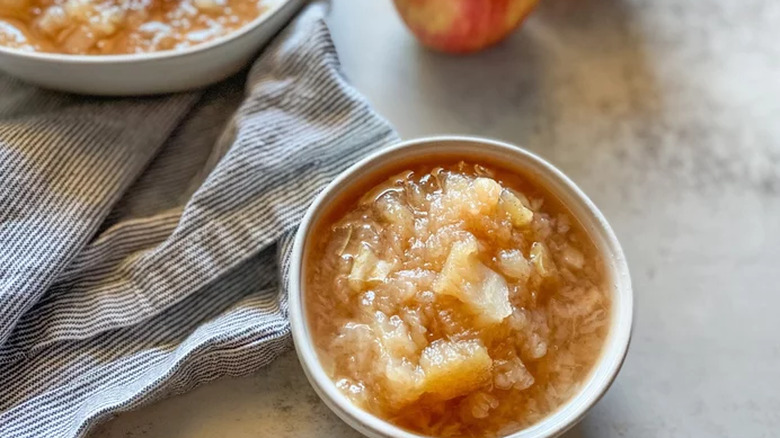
(143, 241)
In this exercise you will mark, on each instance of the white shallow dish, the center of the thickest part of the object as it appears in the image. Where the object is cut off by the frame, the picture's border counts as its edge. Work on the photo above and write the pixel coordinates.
(150, 73)
(616, 344)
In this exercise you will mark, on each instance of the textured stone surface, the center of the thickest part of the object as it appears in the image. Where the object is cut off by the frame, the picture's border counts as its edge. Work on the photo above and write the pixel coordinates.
(667, 114)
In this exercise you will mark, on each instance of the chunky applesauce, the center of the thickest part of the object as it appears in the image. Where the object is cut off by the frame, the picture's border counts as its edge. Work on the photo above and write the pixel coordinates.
(104, 27)
(456, 301)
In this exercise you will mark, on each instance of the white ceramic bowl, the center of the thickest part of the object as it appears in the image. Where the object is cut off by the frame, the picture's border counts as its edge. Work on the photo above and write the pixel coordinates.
(616, 344)
(150, 73)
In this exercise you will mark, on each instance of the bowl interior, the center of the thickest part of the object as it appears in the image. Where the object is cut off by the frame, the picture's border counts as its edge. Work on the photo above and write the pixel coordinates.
(392, 160)
(272, 6)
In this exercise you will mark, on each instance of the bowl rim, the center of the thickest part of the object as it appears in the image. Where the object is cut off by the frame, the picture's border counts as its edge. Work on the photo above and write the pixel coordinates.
(276, 6)
(608, 365)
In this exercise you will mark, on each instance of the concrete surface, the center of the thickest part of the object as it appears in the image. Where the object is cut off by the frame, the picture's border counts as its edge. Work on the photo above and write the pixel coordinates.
(667, 113)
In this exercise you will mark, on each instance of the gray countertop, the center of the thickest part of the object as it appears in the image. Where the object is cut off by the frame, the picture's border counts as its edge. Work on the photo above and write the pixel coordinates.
(667, 114)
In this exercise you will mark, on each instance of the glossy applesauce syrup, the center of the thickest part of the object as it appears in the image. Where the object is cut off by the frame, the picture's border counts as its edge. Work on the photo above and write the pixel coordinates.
(456, 300)
(109, 27)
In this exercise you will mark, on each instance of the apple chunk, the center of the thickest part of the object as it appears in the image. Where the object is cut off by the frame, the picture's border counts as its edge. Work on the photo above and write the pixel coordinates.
(464, 277)
(454, 368)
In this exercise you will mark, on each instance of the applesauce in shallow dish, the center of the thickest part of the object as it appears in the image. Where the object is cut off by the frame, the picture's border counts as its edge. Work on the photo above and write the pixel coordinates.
(110, 27)
(456, 300)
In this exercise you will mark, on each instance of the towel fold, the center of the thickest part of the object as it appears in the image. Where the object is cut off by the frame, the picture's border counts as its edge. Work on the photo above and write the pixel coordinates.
(143, 242)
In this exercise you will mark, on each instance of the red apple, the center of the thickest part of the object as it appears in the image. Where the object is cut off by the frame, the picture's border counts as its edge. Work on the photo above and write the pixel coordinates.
(462, 26)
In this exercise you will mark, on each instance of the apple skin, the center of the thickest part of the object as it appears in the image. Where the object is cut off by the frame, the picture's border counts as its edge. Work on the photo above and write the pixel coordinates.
(463, 26)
